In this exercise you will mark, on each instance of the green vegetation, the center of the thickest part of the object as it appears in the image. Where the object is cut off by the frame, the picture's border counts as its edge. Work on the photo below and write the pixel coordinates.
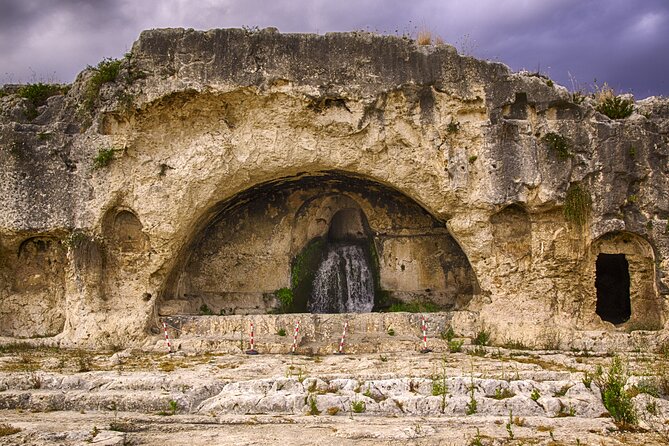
(502, 394)
(615, 107)
(455, 346)
(577, 204)
(472, 159)
(558, 144)
(448, 334)
(616, 400)
(205, 310)
(313, 407)
(106, 71)
(104, 158)
(535, 395)
(391, 332)
(482, 337)
(37, 94)
(358, 406)
(302, 272)
(281, 332)
(285, 297)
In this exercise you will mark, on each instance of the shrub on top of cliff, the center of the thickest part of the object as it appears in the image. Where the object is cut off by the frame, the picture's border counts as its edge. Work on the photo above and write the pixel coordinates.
(425, 37)
(577, 204)
(612, 105)
(106, 71)
(559, 144)
(37, 94)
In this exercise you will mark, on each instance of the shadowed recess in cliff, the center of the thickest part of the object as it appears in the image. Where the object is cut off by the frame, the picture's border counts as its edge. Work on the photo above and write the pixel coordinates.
(327, 242)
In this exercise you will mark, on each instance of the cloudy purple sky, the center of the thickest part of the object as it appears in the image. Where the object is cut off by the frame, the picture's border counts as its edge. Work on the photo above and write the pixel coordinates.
(622, 42)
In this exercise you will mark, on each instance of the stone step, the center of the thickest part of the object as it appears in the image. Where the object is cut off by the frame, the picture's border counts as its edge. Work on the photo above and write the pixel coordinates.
(318, 333)
(298, 395)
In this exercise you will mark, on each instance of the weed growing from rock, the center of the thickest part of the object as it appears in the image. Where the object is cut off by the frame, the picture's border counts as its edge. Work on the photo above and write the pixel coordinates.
(455, 346)
(577, 204)
(106, 71)
(535, 395)
(558, 144)
(104, 157)
(313, 407)
(205, 310)
(358, 406)
(8, 429)
(616, 400)
(285, 297)
(37, 95)
(482, 338)
(615, 107)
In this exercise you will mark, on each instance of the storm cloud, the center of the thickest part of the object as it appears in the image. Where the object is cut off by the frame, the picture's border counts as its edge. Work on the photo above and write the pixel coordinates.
(621, 42)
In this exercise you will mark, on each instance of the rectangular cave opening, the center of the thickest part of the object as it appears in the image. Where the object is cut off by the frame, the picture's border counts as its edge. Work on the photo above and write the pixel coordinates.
(612, 280)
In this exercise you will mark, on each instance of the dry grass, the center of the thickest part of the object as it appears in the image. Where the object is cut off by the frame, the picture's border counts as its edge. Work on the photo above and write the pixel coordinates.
(8, 429)
(424, 37)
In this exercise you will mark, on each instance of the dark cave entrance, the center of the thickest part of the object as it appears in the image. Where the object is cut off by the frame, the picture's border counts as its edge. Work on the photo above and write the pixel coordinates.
(612, 281)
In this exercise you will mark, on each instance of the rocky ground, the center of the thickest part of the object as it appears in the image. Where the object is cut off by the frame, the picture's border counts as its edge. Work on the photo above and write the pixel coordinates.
(479, 396)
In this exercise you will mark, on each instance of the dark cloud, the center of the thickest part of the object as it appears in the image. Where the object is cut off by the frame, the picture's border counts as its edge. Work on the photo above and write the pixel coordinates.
(618, 41)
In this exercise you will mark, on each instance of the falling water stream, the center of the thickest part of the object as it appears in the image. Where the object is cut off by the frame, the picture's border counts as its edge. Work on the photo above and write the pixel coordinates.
(343, 281)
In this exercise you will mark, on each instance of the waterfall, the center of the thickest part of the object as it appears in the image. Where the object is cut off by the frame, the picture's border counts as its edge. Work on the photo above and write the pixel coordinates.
(343, 282)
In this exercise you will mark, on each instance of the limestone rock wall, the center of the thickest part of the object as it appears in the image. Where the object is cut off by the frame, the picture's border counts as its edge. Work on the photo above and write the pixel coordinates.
(195, 119)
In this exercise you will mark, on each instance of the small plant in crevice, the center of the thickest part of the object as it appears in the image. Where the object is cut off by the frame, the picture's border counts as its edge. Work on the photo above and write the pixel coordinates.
(587, 379)
(104, 157)
(482, 337)
(472, 159)
(558, 144)
(448, 334)
(577, 204)
(509, 425)
(535, 395)
(503, 393)
(281, 332)
(455, 346)
(391, 332)
(453, 127)
(477, 440)
(313, 407)
(205, 310)
(358, 406)
(285, 297)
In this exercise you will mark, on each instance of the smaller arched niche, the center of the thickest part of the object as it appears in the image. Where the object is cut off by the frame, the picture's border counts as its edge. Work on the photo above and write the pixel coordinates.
(623, 271)
(35, 303)
(125, 231)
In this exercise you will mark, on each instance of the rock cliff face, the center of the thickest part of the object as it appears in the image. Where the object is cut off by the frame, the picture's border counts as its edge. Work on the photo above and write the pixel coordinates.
(235, 153)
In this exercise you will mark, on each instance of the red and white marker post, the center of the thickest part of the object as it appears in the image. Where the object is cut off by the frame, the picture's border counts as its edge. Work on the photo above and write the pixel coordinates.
(252, 350)
(167, 338)
(297, 329)
(343, 338)
(424, 328)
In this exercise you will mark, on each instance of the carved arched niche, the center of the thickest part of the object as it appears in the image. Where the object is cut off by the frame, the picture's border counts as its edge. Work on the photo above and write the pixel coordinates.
(512, 232)
(248, 250)
(34, 305)
(620, 283)
(123, 232)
